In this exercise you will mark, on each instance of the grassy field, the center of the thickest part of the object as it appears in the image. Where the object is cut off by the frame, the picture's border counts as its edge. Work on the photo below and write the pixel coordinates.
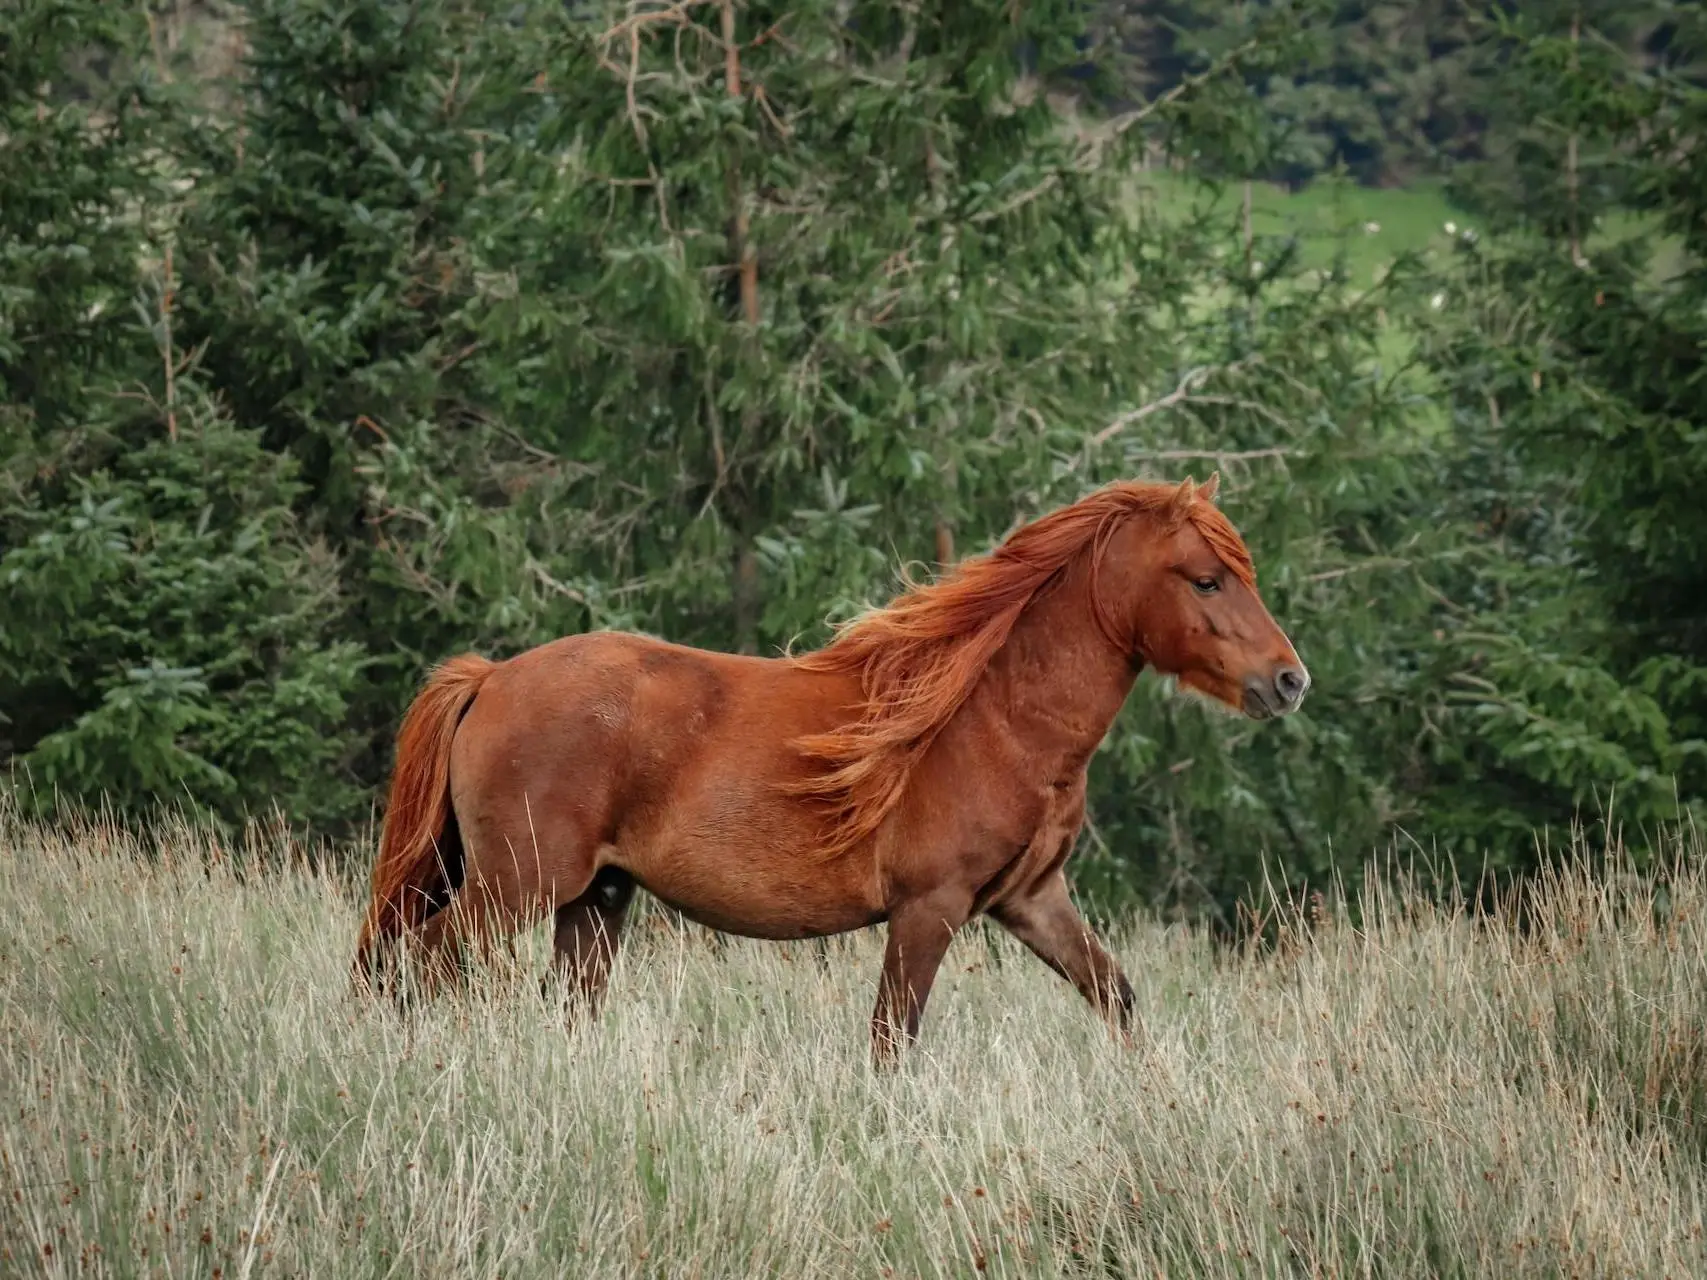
(1367, 227)
(1360, 230)
(186, 1089)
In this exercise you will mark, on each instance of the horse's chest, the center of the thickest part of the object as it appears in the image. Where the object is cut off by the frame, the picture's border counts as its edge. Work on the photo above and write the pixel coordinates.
(1062, 816)
(1059, 816)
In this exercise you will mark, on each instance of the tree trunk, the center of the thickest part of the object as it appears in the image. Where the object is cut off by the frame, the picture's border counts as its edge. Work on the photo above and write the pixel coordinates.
(1571, 180)
(744, 587)
(746, 597)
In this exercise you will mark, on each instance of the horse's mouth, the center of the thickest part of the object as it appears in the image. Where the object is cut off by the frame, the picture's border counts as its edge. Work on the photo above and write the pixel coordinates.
(1257, 707)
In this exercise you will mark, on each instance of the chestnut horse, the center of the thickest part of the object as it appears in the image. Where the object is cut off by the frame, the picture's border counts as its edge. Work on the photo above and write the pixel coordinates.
(927, 765)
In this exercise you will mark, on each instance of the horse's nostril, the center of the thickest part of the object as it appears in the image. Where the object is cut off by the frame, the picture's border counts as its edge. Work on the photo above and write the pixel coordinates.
(1290, 683)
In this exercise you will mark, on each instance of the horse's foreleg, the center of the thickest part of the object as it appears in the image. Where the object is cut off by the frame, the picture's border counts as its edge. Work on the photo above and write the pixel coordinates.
(1047, 922)
(919, 934)
(588, 930)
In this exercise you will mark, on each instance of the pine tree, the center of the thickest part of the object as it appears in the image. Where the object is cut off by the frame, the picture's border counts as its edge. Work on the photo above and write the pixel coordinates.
(166, 638)
(813, 274)
(333, 275)
(75, 176)
(1573, 353)
(165, 635)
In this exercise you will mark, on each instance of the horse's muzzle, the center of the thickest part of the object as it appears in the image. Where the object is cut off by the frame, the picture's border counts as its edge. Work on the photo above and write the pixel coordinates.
(1276, 694)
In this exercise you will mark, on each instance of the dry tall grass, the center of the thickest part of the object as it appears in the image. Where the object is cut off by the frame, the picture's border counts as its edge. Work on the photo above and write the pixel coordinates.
(186, 1089)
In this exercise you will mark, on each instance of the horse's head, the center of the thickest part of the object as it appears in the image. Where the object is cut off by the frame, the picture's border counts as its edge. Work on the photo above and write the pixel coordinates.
(1191, 603)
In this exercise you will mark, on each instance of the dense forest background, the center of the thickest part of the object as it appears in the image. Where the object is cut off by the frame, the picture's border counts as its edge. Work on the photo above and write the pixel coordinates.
(338, 336)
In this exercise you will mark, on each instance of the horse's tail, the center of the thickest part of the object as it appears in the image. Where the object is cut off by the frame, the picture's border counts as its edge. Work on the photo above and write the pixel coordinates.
(420, 850)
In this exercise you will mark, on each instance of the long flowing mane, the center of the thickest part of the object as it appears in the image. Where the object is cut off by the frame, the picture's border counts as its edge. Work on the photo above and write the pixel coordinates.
(920, 657)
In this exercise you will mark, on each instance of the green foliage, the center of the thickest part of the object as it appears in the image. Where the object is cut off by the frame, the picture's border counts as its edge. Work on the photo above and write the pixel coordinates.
(170, 634)
(167, 632)
(1373, 87)
(1388, 91)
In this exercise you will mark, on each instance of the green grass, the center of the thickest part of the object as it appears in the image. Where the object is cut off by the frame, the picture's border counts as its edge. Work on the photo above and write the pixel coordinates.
(1367, 228)
(1370, 226)
(1360, 230)
(187, 1089)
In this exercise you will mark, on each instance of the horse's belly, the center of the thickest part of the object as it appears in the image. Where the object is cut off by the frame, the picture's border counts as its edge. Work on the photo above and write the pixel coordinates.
(762, 885)
(755, 920)
(761, 908)
(725, 848)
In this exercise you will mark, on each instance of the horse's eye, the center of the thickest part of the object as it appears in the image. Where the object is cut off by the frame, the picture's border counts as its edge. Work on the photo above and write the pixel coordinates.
(1206, 586)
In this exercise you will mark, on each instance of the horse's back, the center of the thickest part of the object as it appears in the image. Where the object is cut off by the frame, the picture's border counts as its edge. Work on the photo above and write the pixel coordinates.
(583, 698)
(632, 719)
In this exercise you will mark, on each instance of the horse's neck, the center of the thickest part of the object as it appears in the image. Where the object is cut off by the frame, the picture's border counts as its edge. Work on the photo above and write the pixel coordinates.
(1058, 677)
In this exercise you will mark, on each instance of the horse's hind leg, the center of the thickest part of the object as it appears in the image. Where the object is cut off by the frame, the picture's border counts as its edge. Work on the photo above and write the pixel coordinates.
(505, 890)
(588, 930)
(472, 918)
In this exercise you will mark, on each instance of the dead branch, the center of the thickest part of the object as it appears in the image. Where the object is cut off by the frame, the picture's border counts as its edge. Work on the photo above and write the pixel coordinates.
(1121, 123)
(1363, 566)
(1193, 379)
(552, 584)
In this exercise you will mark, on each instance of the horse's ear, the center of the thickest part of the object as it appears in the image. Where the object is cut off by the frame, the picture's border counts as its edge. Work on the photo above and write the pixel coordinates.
(1184, 496)
(1209, 487)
